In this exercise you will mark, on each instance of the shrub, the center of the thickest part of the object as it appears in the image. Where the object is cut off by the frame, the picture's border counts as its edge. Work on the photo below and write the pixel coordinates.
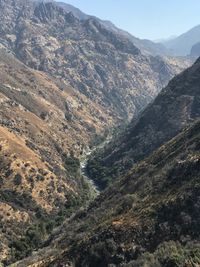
(17, 179)
(72, 164)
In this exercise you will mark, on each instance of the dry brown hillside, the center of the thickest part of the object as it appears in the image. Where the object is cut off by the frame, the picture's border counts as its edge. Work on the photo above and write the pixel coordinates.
(63, 82)
(43, 129)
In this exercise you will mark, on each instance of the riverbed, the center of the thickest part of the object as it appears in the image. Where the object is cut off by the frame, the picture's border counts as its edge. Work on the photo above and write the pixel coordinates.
(94, 189)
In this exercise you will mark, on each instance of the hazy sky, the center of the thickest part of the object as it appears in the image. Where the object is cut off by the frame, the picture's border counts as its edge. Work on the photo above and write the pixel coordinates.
(151, 19)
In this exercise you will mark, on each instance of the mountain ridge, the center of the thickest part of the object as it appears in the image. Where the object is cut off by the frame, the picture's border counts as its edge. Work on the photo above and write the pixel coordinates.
(149, 216)
(174, 107)
(182, 44)
(64, 84)
(145, 45)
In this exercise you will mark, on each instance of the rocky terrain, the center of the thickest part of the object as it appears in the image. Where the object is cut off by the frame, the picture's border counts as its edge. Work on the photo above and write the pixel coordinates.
(175, 107)
(99, 63)
(150, 217)
(64, 83)
(147, 46)
(43, 131)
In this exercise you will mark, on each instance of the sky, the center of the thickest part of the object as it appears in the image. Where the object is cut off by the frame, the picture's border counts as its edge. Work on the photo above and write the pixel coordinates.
(146, 19)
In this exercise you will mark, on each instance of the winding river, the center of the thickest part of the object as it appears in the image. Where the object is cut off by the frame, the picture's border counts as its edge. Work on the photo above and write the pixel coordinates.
(94, 189)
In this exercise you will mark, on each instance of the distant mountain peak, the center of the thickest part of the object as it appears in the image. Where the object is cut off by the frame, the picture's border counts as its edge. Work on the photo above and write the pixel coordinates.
(182, 44)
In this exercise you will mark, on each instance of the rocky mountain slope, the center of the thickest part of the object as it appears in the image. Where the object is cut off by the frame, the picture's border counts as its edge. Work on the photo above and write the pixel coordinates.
(195, 50)
(44, 127)
(75, 11)
(182, 45)
(63, 82)
(150, 217)
(175, 107)
(104, 66)
(147, 46)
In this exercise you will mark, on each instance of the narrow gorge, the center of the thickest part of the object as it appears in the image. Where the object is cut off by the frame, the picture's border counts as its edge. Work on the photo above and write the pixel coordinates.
(98, 142)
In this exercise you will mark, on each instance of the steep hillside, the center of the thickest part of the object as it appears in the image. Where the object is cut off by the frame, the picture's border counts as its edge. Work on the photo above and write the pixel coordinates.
(76, 12)
(63, 83)
(176, 106)
(195, 50)
(104, 66)
(44, 128)
(181, 45)
(150, 217)
(146, 46)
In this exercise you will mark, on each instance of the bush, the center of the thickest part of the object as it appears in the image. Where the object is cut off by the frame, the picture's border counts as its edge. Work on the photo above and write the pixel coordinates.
(31, 240)
(17, 179)
(72, 164)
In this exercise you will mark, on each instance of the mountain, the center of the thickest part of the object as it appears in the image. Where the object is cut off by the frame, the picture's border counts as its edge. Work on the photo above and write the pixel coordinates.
(182, 45)
(76, 12)
(147, 46)
(175, 107)
(42, 134)
(162, 40)
(85, 55)
(64, 83)
(195, 50)
(150, 217)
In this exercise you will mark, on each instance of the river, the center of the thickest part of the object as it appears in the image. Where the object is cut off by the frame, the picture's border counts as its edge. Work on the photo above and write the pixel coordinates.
(94, 189)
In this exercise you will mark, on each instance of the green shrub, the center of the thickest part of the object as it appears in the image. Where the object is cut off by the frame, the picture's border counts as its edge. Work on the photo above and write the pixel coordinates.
(72, 164)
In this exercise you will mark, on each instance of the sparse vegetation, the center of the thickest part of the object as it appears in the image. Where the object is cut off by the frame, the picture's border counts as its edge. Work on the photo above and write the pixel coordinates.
(64, 82)
(150, 217)
(17, 179)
